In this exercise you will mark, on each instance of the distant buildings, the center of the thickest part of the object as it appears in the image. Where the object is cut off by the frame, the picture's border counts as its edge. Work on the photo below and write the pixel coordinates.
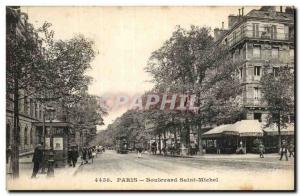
(261, 40)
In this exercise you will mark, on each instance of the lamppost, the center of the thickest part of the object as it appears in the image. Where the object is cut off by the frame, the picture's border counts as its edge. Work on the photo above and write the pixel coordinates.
(50, 172)
(44, 141)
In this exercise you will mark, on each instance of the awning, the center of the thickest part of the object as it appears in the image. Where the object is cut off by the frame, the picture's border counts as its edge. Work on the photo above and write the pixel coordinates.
(272, 130)
(217, 131)
(248, 128)
(243, 128)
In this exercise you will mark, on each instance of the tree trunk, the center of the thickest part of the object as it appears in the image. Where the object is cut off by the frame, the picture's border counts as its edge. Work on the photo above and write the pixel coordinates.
(199, 138)
(175, 137)
(279, 133)
(165, 141)
(188, 135)
(16, 131)
(159, 143)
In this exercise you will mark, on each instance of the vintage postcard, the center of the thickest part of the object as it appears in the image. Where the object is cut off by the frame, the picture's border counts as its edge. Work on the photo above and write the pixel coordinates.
(150, 98)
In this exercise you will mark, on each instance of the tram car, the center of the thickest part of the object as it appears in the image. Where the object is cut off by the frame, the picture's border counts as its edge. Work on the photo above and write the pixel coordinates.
(122, 145)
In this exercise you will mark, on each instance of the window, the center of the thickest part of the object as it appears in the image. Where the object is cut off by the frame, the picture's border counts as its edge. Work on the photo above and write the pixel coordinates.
(257, 116)
(40, 112)
(234, 36)
(35, 110)
(257, 70)
(31, 107)
(241, 73)
(7, 135)
(25, 104)
(25, 136)
(242, 30)
(275, 71)
(292, 118)
(292, 53)
(286, 32)
(255, 30)
(273, 32)
(256, 93)
(256, 51)
(31, 136)
(275, 53)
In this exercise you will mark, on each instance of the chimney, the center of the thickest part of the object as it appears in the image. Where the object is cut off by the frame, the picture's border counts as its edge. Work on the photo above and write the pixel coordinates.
(216, 34)
(232, 19)
(268, 8)
(239, 12)
(280, 9)
(242, 11)
(289, 10)
(222, 25)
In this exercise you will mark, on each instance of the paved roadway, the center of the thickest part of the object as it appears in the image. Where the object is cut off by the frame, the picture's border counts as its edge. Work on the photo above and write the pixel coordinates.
(112, 162)
(235, 172)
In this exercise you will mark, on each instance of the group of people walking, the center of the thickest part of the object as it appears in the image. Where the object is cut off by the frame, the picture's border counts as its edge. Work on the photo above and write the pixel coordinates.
(284, 150)
(87, 153)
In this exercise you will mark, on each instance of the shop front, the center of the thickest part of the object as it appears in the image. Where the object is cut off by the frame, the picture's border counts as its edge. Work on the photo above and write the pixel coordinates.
(271, 136)
(56, 140)
(233, 138)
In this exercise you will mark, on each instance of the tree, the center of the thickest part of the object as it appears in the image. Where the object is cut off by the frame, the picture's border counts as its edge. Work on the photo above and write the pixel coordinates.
(278, 91)
(50, 71)
(24, 58)
(190, 63)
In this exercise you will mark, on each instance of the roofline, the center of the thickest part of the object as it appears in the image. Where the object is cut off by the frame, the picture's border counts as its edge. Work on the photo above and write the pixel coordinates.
(247, 18)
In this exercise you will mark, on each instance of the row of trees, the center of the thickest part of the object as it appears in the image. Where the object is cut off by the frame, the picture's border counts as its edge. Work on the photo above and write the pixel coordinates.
(189, 62)
(49, 71)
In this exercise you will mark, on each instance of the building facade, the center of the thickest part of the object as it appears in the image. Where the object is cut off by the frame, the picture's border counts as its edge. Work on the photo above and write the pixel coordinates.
(30, 110)
(261, 41)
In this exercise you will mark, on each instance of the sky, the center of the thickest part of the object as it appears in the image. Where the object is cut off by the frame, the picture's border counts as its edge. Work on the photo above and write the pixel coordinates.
(124, 39)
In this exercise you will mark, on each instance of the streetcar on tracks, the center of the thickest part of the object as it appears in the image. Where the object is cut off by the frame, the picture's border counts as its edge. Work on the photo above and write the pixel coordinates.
(122, 145)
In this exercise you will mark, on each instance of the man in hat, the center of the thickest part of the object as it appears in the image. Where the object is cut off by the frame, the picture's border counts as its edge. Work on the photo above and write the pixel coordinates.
(37, 159)
(283, 150)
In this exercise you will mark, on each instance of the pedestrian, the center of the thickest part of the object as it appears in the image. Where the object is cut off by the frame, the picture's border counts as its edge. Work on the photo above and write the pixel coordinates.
(291, 149)
(283, 150)
(69, 156)
(140, 150)
(261, 149)
(37, 159)
(218, 148)
(74, 156)
(90, 156)
(94, 154)
(84, 155)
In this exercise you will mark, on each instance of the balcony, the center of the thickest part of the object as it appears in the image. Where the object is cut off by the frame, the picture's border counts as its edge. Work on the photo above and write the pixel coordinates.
(259, 35)
(254, 102)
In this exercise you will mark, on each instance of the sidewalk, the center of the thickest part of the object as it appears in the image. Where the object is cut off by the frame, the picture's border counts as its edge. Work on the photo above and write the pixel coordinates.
(26, 167)
(232, 157)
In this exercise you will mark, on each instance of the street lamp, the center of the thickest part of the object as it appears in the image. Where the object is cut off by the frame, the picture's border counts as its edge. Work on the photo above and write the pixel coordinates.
(50, 172)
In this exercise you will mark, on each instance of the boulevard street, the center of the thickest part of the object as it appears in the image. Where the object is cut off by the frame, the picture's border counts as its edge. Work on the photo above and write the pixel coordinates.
(246, 171)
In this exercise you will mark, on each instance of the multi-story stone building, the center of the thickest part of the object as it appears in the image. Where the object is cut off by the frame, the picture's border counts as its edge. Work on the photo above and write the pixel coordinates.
(30, 110)
(261, 41)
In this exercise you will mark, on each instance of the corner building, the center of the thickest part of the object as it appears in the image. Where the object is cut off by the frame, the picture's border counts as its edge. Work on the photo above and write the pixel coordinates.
(261, 41)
